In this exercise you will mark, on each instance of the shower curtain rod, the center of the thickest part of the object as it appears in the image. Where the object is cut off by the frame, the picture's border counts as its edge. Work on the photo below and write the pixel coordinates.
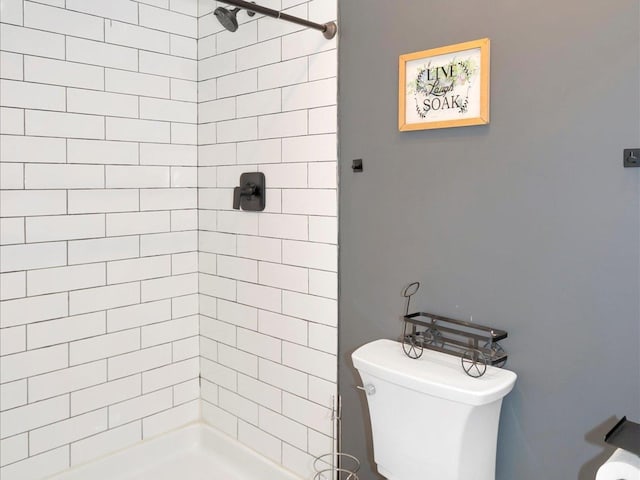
(328, 29)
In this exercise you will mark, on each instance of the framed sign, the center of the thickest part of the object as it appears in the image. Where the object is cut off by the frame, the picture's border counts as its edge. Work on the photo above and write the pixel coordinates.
(444, 87)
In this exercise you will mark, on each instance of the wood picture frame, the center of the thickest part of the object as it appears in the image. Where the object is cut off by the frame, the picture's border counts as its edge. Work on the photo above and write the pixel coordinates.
(444, 87)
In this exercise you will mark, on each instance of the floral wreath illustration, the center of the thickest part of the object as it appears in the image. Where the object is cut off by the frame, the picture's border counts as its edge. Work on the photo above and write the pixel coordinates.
(464, 71)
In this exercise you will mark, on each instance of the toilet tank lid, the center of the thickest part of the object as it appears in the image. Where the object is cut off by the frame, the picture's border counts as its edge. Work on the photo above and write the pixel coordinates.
(434, 373)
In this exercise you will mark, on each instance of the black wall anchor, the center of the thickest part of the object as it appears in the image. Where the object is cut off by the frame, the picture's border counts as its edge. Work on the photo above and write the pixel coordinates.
(631, 157)
(250, 195)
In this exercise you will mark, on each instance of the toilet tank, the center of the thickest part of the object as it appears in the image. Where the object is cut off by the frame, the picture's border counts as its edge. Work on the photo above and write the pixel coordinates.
(429, 419)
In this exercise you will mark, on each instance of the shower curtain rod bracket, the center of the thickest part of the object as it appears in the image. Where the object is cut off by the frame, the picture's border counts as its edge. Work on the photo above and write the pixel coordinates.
(330, 30)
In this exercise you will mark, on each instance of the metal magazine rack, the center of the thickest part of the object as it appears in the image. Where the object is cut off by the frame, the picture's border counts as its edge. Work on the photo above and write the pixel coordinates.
(476, 345)
(336, 465)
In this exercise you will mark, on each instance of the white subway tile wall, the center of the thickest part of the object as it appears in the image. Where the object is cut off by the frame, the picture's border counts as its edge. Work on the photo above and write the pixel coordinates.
(125, 273)
(99, 284)
(268, 281)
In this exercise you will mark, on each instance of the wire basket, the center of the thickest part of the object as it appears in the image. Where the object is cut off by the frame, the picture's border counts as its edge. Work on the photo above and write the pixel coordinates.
(326, 468)
(336, 465)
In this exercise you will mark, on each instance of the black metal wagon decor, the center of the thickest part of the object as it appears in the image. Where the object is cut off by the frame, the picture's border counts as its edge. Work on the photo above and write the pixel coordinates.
(476, 345)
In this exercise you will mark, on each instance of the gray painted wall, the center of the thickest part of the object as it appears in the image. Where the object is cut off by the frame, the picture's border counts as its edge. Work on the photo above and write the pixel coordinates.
(529, 224)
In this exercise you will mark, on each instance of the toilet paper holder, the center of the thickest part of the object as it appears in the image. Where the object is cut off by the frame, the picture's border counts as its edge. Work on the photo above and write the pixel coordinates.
(625, 435)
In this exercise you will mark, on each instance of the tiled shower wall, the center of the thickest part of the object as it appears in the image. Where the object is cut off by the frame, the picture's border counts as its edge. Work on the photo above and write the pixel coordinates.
(268, 285)
(99, 279)
(99, 229)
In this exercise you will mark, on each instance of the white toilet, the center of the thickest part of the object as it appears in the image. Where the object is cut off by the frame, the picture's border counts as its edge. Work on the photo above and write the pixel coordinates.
(430, 420)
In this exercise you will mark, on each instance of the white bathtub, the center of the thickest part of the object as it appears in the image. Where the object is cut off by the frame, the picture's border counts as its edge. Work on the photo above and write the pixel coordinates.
(195, 452)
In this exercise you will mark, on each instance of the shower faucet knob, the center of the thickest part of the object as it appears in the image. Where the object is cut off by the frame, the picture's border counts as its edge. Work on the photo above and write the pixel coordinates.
(250, 195)
(246, 191)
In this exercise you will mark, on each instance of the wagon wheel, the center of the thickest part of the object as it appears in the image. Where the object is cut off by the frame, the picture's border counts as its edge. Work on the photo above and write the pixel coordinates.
(411, 347)
(496, 351)
(432, 336)
(411, 344)
(474, 362)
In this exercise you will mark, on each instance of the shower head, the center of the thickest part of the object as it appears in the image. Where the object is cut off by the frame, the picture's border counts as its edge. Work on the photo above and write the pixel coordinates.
(228, 18)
